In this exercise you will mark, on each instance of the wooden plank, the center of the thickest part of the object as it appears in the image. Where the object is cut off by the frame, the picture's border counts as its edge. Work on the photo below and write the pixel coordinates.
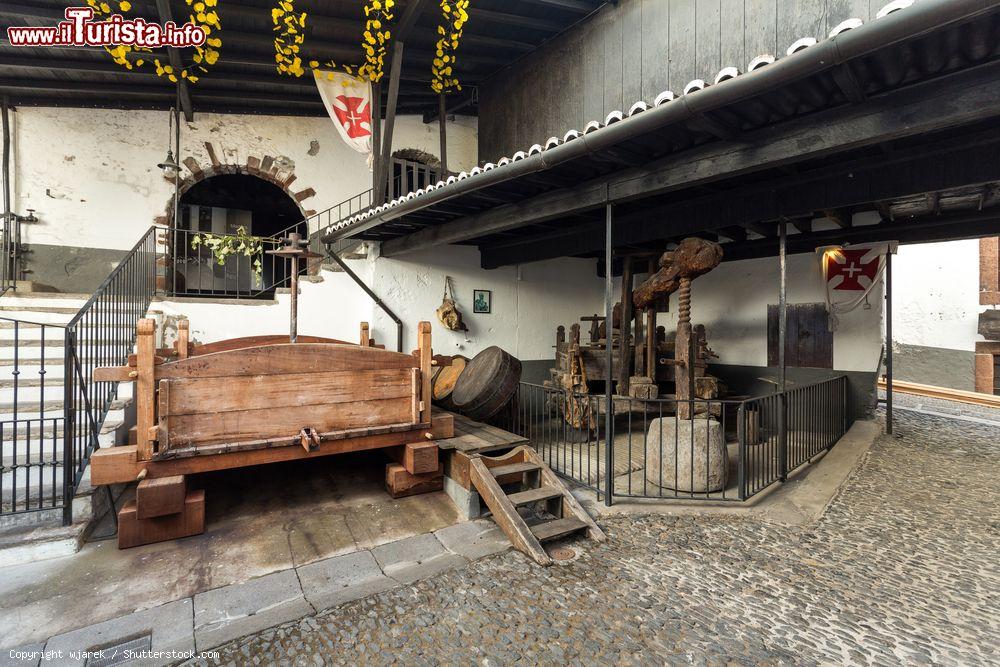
(505, 514)
(682, 44)
(285, 358)
(286, 421)
(708, 35)
(119, 465)
(971, 397)
(145, 409)
(731, 39)
(760, 28)
(401, 483)
(256, 341)
(655, 39)
(556, 528)
(613, 65)
(269, 392)
(160, 496)
(133, 531)
(534, 495)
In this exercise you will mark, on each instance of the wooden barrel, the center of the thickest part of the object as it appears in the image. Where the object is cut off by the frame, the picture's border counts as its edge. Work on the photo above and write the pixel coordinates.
(487, 384)
(444, 382)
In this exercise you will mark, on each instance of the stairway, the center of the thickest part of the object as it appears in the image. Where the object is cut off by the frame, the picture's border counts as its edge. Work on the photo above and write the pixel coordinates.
(515, 484)
(32, 384)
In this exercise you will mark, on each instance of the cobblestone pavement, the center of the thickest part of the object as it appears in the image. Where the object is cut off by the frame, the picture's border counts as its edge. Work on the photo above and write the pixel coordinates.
(902, 569)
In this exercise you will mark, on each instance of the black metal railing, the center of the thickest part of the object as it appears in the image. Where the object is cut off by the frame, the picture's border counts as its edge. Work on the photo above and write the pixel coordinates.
(102, 333)
(31, 424)
(698, 449)
(197, 272)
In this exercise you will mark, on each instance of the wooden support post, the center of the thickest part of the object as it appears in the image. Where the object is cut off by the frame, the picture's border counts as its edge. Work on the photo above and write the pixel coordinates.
(442, 127)
(145, 386)
(625, 334)
(365, 338)
(376, 140)
(183, 339)
(426, 356)
(390, 121)
(651, 343)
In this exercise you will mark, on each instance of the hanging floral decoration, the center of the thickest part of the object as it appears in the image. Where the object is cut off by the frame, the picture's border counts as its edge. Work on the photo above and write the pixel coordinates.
(454, 14)
(290, 25)
(240, 243)
(204, 15)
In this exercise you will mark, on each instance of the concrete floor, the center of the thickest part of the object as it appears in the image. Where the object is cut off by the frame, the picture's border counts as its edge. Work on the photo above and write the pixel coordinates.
(258, 520)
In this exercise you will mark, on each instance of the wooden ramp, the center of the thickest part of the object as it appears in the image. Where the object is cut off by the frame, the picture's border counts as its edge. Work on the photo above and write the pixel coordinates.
(535, 484)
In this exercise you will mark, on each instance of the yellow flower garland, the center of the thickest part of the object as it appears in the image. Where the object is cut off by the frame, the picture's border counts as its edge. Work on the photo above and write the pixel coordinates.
(454, 14)
(204, 15)
(290, 28)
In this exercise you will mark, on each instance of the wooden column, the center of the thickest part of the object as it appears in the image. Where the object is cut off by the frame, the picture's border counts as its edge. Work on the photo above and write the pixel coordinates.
(390, 121)
(145, 407)
(365, 337)
(625, 345)
(183, 339)
(426, 354)
(376, 139)
(442, 128)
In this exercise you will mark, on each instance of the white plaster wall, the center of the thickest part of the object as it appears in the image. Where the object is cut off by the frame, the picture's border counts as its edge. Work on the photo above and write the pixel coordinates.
(523, 320)
(528, 302)
(732, 301)
(91, 174)
(936, 295)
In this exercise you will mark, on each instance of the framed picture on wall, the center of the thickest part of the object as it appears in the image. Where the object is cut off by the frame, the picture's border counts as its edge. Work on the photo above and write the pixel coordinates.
(482, 301)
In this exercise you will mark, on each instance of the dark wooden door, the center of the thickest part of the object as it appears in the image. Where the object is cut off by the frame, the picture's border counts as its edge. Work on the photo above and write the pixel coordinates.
(808, 340)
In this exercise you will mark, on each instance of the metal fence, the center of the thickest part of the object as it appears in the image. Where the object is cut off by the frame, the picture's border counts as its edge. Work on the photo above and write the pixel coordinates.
(102, 333)
(31, 425)
(729, 450)
(196, 270)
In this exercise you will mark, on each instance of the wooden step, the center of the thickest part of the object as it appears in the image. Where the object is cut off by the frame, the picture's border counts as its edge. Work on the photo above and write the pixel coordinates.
(557, 528)
(534, 495)
(514, 468)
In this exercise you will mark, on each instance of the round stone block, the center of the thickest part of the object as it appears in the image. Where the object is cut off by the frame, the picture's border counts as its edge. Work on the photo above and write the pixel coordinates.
(670, 467)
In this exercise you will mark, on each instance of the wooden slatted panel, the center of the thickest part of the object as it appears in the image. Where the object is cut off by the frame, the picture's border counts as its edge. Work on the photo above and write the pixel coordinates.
(211, 410)
(281, 359)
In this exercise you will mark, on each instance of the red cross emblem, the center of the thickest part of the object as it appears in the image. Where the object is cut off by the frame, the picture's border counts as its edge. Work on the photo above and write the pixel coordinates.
(353, 117)
(849, 264)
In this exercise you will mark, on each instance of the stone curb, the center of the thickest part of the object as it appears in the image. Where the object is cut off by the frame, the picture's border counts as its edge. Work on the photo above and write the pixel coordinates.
(217, 616)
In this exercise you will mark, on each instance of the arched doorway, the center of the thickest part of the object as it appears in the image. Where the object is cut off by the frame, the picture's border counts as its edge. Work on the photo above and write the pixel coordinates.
(220, 205)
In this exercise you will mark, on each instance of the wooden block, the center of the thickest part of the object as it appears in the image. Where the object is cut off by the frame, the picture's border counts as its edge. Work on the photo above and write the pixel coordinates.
(133, 437)
(420, 458)
(160, 496)
(399, 483)
(133, 531)
(984, 373)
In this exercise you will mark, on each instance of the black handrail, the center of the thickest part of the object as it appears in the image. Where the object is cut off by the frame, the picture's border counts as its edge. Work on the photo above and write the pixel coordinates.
(102, 333)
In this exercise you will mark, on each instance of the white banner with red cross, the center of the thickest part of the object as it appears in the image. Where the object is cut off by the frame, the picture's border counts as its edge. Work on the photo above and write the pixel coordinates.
(348, 100)
(850, 274)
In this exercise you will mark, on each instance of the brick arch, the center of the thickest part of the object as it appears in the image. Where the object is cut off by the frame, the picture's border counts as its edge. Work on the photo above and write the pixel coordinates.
(265, 168)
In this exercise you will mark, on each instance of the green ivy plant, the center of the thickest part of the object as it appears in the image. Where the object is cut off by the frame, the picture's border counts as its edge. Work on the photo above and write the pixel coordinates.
(240, 243)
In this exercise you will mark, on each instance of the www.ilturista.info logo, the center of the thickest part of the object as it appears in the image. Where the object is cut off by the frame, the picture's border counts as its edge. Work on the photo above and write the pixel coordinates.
(79, 29)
